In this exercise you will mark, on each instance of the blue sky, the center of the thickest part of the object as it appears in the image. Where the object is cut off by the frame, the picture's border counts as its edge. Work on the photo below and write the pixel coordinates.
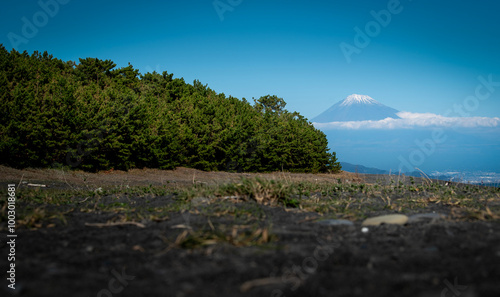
(426, 59)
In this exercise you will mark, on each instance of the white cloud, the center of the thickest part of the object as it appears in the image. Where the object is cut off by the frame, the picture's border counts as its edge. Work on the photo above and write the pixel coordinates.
(410, 120)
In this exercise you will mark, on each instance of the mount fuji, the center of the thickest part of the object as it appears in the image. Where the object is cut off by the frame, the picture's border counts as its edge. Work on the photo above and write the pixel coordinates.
(356, 108)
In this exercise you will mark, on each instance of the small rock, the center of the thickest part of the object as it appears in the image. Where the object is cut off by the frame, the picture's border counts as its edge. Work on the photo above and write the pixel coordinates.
(138, 248)
(425, 217)
(364, 230)
(333, 222)
(387, 219)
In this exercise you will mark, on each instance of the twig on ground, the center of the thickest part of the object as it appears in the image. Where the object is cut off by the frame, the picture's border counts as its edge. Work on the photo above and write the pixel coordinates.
(115, 224)
(20, 181)
(64, 177)
(37, 185)
(248, 285)
(84, 200)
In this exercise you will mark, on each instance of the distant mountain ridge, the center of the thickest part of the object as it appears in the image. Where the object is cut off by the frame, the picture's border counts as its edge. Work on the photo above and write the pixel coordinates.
(355, 168)
(491, 179)
(371, 170)
(356, 107)
(361, 169)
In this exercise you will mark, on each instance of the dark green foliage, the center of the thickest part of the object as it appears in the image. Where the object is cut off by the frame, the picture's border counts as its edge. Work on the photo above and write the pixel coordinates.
(95, 117)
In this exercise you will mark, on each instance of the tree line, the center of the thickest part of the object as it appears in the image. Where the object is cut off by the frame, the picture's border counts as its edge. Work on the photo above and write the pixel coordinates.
(93, 116)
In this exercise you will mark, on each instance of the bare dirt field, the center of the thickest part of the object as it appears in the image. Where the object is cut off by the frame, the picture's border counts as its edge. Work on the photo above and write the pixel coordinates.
(186, 232)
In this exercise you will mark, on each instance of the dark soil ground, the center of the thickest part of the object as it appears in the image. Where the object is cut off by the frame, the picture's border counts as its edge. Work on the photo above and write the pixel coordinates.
(134, 241)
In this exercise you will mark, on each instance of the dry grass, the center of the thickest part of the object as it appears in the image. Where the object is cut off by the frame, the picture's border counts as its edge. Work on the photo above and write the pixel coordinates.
(343, 195)
(143, 177)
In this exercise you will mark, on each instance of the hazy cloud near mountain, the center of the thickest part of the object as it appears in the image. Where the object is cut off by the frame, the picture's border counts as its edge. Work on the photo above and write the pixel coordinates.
(409, 120)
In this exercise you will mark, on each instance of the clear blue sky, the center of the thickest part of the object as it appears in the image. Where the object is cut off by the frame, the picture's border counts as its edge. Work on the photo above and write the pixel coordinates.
(426, 59)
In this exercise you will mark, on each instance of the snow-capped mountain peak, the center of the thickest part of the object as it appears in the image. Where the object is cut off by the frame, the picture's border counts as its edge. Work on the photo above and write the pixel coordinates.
(356, 108)
(358, 99)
